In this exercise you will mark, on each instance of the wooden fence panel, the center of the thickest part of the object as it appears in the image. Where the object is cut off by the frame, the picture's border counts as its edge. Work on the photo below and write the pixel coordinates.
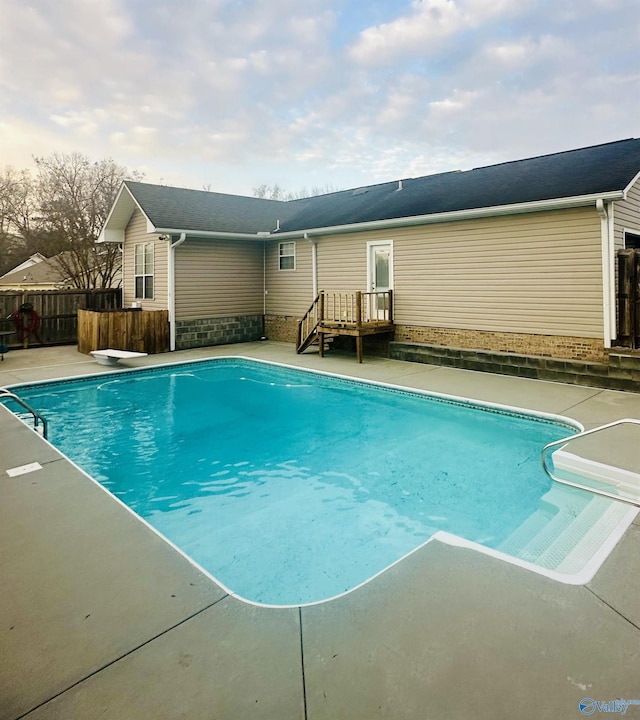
(636, 298)
(629, 298)
(57, 312)
(127, 329)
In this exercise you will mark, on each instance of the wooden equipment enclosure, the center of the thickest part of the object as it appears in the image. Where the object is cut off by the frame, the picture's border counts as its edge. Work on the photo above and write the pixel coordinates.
(144, 331)
(354, 314)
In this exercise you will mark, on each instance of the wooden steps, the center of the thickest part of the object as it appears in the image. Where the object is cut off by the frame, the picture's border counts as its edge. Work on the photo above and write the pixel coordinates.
(352, 314)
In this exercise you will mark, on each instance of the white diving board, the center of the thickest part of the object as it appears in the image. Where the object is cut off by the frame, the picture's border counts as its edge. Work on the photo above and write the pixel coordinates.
(111, 357)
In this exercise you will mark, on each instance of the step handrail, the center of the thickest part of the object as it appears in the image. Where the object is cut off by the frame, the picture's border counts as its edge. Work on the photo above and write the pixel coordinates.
(4, 393)
(563, 441)
(311, 319)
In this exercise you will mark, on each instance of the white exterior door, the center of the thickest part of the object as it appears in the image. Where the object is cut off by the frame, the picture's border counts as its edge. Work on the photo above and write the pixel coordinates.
(380, 272)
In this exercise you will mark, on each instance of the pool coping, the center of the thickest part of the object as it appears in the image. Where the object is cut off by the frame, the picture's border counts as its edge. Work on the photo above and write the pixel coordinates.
(380, 652)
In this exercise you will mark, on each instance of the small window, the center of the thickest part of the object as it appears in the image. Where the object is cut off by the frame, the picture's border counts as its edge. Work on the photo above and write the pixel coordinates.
(143, 270)
(287, 256)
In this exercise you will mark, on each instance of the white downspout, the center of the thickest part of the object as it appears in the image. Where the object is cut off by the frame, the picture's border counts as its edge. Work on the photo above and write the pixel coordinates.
(612, 273)
(172, 289)
(264, 290)
(606, 271)
(314, 264)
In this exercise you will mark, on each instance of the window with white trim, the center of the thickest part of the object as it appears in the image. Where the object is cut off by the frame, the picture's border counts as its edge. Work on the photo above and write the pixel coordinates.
(143, 270)
(287, 253)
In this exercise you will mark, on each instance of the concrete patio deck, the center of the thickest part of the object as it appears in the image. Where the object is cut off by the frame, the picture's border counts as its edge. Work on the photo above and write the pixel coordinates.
(100, 618)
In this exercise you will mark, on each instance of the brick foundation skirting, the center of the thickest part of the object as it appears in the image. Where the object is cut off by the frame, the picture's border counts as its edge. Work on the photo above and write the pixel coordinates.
(217, 331)
(580, 361)
(555, 346)
(620, 372)
(282, 328)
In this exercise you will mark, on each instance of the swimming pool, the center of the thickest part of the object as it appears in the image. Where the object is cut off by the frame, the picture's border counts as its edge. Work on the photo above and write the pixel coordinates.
(290, 487)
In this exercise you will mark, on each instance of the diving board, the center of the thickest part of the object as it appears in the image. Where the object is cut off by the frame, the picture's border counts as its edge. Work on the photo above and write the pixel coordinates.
(112, 357)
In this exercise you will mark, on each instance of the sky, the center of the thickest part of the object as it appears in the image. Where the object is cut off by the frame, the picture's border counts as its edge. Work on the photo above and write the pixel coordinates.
(228, 95)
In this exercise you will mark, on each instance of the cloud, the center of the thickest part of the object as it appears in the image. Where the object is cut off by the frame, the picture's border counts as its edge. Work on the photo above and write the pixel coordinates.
(428, 27)
(333, 90)
(527, 51)
(49, 49)
(21, 139)
(429, 23)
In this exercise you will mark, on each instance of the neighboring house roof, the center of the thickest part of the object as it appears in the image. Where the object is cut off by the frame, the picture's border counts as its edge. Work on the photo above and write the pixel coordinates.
(44, 273)
(29, 262)
(562, 179)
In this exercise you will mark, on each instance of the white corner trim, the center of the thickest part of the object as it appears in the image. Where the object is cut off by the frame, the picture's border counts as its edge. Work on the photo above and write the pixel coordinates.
(602, 209)
(626, 191)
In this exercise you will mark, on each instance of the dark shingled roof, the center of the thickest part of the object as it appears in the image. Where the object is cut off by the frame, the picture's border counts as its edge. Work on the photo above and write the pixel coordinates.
(588, 171)
(170, 207)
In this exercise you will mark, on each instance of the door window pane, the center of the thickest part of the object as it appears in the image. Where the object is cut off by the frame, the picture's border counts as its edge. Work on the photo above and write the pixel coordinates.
(382, 268)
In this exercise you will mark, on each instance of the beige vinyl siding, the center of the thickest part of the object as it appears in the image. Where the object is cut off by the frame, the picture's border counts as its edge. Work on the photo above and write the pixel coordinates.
(218, 279)
(136, 232)
(626, 215)
(537, 273)
(342, 261)
(289, 292)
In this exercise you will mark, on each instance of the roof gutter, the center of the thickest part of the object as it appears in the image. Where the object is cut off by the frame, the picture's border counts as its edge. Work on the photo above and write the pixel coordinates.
(495, 211)
(456, 215)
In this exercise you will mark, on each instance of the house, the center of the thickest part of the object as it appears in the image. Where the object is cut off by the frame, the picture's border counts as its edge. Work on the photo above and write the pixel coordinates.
(29, 262)
(36, 273)
(517, 257)
(60, 272)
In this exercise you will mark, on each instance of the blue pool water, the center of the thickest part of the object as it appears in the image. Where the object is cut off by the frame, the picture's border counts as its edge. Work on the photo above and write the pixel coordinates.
(291, 487)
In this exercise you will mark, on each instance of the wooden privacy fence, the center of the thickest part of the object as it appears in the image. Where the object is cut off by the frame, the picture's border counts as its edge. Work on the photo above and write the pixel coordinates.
(629, 298)
(56, 314)
(129, 329)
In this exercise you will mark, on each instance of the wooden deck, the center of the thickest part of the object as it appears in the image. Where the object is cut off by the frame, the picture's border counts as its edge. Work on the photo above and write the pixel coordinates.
(354, 314)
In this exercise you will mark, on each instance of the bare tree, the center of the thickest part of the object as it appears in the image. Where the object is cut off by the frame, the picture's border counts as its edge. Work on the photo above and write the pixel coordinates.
(12, 252)
(74, 196)
(270, 192)
(16, 210)
(277, 192)
(16, 201)
(60, 212)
